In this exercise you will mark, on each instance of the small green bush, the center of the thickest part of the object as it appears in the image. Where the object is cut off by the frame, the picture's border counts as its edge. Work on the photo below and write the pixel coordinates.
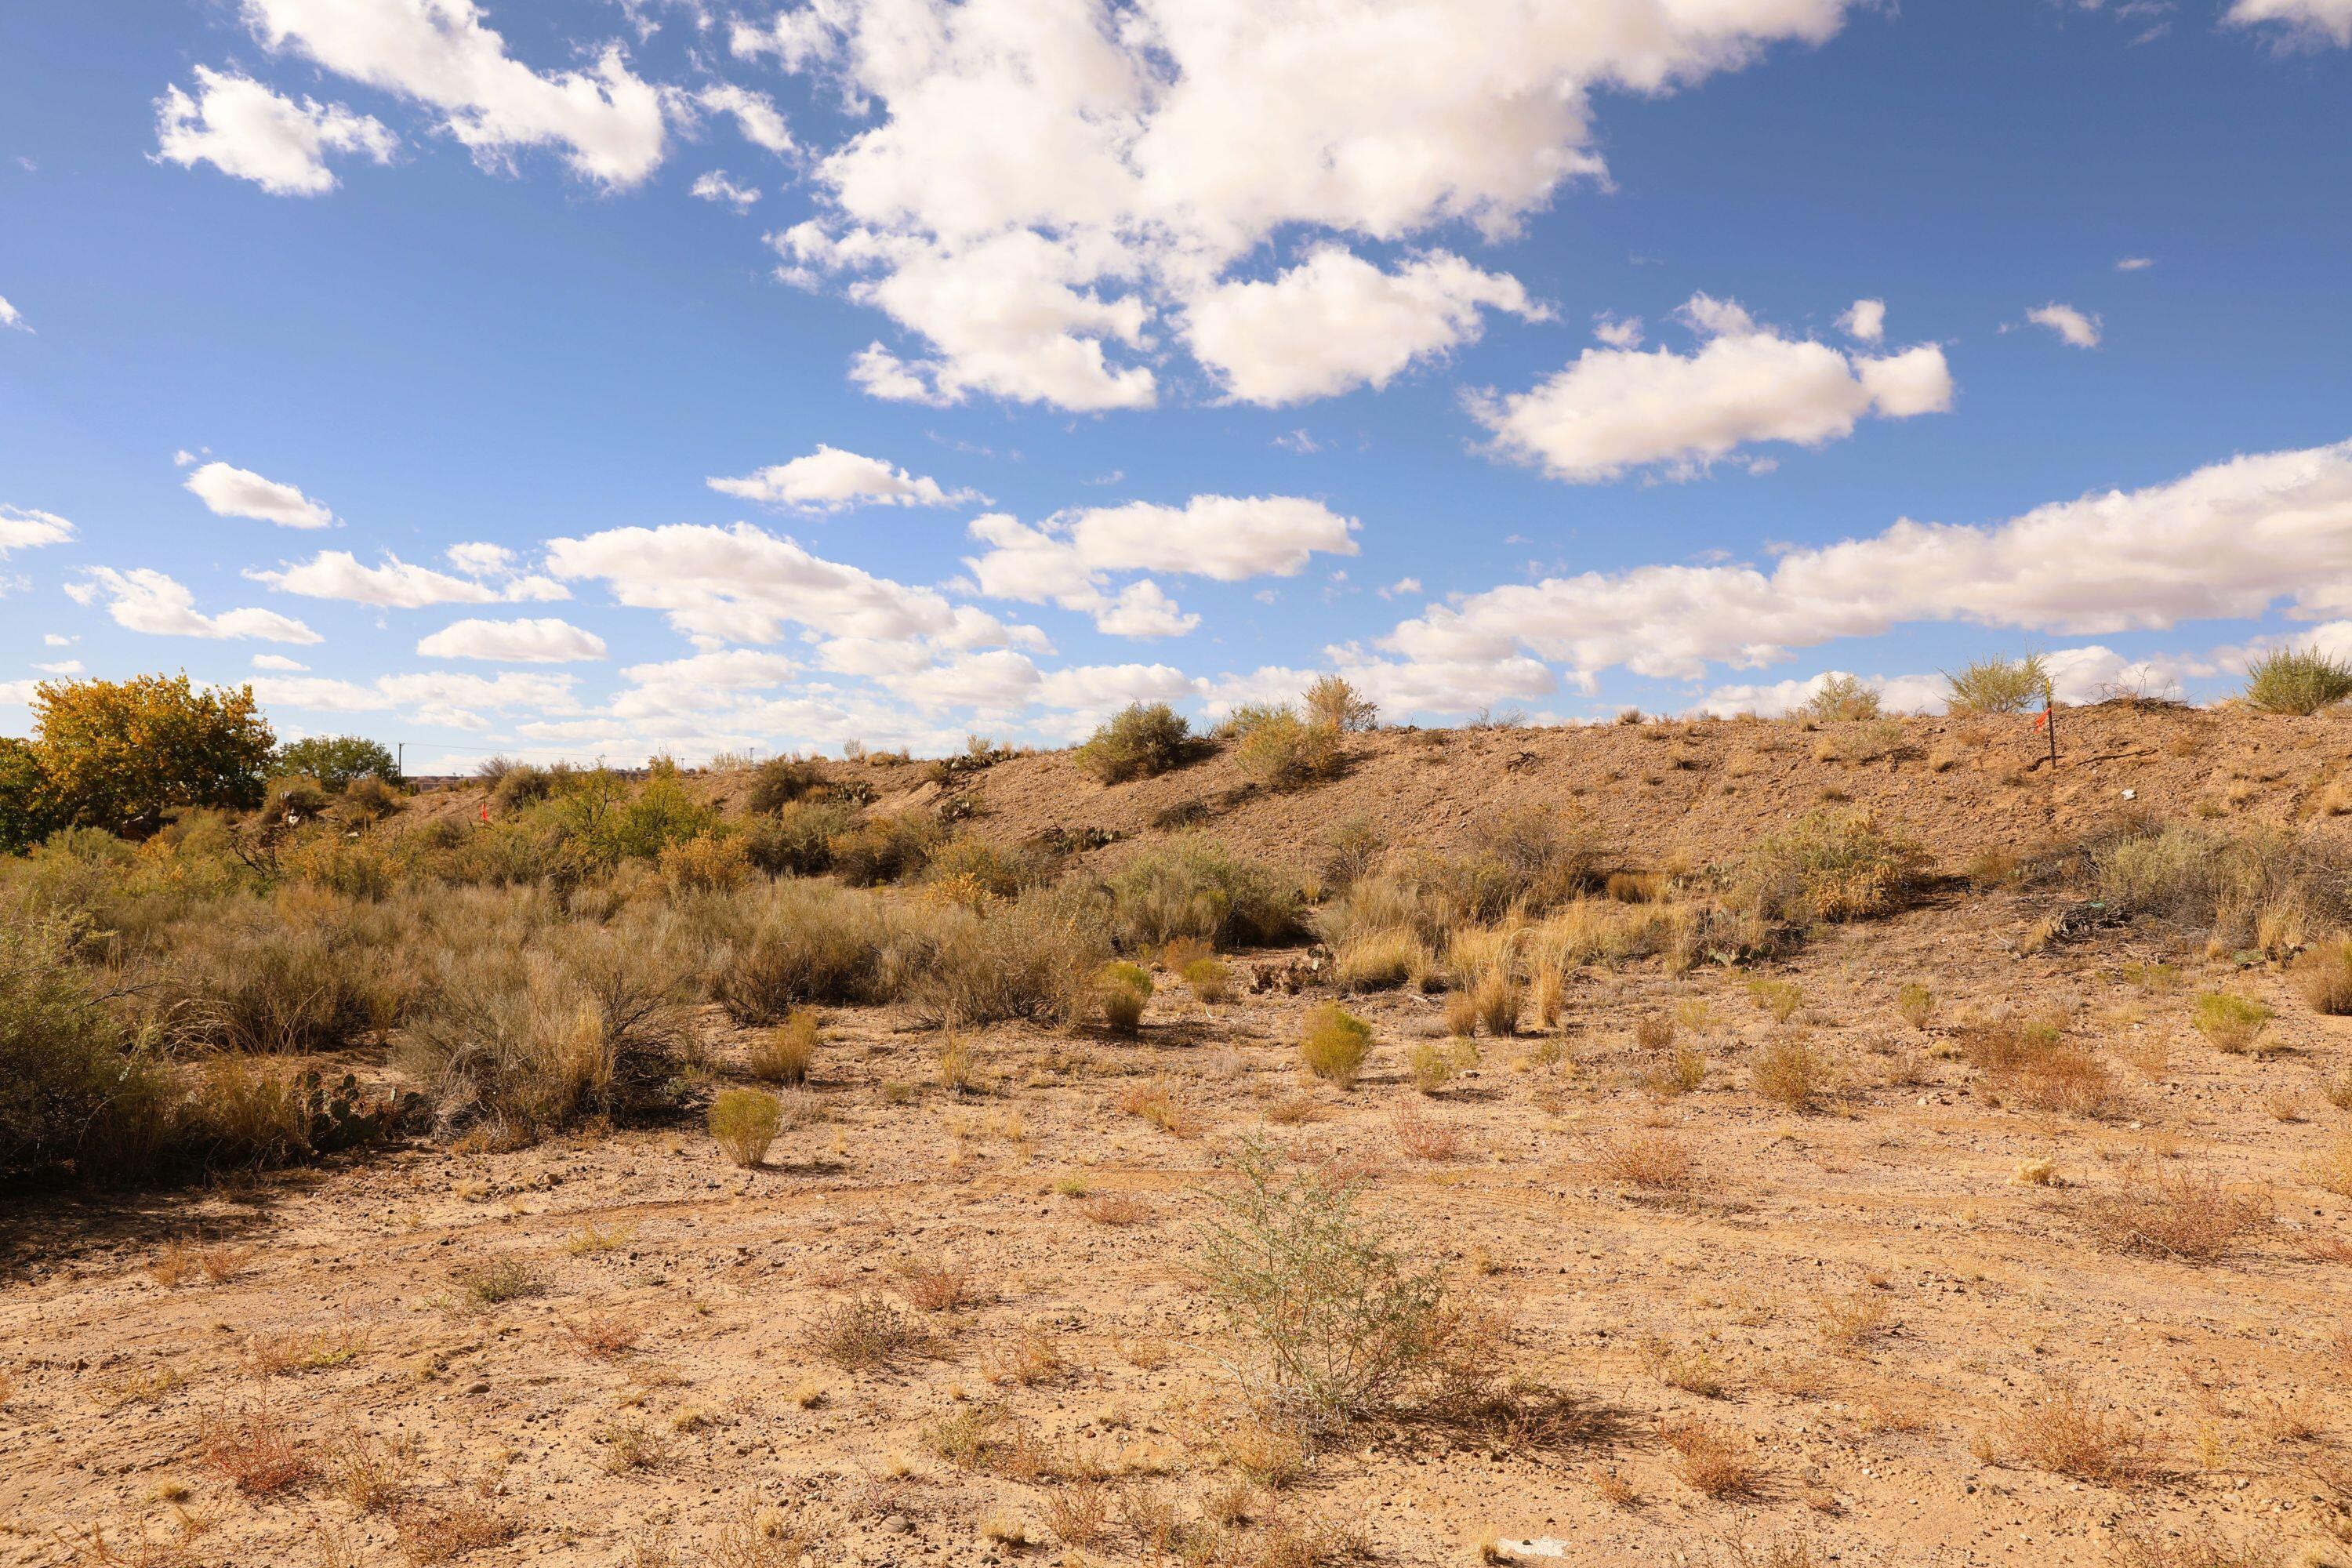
(2232, 1023)
(1998, 684)
(1285, 751)
(1139, 742)
(2298, 681)
(1335, 1044)
(744, 1123)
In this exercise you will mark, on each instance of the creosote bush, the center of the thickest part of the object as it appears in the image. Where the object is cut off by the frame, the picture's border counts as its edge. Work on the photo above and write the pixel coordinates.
(1998, 684)
(1335, 1044)
(1282, 751)
(1329, 1324)
(1843, 699)
(1139, 742)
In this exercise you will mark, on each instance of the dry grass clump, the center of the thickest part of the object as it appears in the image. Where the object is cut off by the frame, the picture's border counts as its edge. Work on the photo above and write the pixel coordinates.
(1116, 1210)
(2232, 1023)
(1710, 1457)
(257, 1452)
(1655, 1160)
(744, 1123)
(2186, 1215)
(863, 1333)
(2324, 974)
(1998, 684)
(2031, 1060)
(1792, 1071)
(1431, 1064)
(2260, 887)
(2297, 680)
(2065, 1433)
(1193, 961)
(1830, 868)
(1380, 960)
(1140, 741)
(1333, 702)
(602, 1338)
(1781, 1000)
(2331, 1168)
(1165, 1105)
(500, 1280)
(1423, 1136)
(1916, 1003)
(1192, 886)
(942, 1286)
(2198, 1546)
(1335, 1044)
(786, 1053)
(1842, 699)
(1122, 991)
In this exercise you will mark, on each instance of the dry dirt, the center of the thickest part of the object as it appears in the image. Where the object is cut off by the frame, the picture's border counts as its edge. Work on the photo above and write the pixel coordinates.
(1881, 1300)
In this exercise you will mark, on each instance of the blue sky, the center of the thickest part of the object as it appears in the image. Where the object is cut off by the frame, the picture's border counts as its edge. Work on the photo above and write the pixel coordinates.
(1056, 355)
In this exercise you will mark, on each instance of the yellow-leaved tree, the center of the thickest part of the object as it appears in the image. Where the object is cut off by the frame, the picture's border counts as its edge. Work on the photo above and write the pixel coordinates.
(118, 754)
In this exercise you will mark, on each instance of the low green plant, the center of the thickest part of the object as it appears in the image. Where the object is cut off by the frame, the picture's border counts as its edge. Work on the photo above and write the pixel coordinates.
(744, 1123)
(1334, 1045)
(1139, 742)
(1915, 1003)
(1124, 990)
(1998, 684)
(2232, 1023)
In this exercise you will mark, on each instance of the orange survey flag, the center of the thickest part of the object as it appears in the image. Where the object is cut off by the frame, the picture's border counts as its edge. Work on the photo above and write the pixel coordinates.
(2040, 720)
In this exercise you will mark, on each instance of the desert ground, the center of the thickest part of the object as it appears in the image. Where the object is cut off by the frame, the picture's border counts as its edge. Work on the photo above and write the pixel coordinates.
(1943, 1237)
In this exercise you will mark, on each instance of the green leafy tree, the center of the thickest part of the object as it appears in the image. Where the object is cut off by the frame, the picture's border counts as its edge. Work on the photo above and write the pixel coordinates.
(28, 808)
(121, 753)
(336, 760)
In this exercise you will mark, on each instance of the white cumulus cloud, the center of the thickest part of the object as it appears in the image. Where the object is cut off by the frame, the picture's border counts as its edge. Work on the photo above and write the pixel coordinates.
(830, 479)
(715, 186)
(244, 129)
(2069, 323)
(1336, 322)
(240, 492)
(1041, 189)
(12, 317)
(2314, 21)
(533, 641)
(1615, 410)
(2227, 542)
(29, 529)
(607, 121)
(146, 600)
(1864, 321)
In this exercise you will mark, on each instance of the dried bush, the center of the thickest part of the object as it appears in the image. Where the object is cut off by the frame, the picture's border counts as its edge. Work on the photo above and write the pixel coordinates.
(797, 839)
(1326, 1323)
(1210, 977)
(863, 1333)
(2324, 973)
(1830, 868)
(1123, 990)
(1709, 1458)
(890, 846)
(1652, 1160)
(744, 1122)
(1193, 887)
(531, 1030)
(75, 1085)
(1791, 1071)
(1380, 960)
(1334, 1045)
(1841, 698)
(783, 781)
(1916, 1003)
(798, 944)
(786, 1053)
(1032, 957)
(1139, 742)
(2297, 680)
(1331, 700)
(2064, 1433)
(706, 863)
(257, 1452)
(299, 975)
(2186, 1215)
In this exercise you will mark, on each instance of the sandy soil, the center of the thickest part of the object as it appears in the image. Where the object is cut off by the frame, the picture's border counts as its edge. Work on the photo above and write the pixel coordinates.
(1879, 1298)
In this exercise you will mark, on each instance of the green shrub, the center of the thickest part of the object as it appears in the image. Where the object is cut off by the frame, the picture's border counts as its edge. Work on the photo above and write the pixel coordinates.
(889, 847)
(1139, 742)
(1192, 887)
(337, 761)
(1286, 753)
(2232, 1023)
(1334, 1045)
(744, 1123)
(1997, 686)
(1830, 868)
(2298, 681)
